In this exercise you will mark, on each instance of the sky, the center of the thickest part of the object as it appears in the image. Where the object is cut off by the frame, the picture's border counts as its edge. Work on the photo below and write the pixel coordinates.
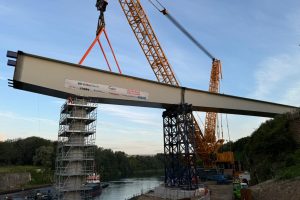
(257, 42)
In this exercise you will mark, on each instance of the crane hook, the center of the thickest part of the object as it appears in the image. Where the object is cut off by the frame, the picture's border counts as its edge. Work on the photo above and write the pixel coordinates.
(101, 6)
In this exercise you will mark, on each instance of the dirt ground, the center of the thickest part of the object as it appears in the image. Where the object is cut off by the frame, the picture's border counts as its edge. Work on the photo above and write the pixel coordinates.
(145, 197)
(220, 192)
(277, 190)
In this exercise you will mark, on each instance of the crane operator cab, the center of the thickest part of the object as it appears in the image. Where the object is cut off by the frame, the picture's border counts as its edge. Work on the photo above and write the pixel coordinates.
(101, 6)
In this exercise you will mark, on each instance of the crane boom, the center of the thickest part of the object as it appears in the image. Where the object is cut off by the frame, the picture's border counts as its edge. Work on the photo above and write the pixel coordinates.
(208, 144)
(143, 31)
(148, 41)
(152, 49)
(211, 117)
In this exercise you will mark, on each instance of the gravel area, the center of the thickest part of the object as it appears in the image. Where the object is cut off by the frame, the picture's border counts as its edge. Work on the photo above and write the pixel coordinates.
(277, 190)
(220, 192)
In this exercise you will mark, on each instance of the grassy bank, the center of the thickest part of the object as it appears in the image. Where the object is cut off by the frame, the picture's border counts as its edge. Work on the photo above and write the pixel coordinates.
(17, 169)
(39, 175)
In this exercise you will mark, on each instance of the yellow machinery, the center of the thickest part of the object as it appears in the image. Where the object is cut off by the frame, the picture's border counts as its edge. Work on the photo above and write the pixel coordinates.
(207, 144)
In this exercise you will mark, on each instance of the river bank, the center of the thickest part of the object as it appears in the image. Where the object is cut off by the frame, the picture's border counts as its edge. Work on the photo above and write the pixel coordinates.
(128, 188)
(117, 190)
(27, 188)
(217, 192)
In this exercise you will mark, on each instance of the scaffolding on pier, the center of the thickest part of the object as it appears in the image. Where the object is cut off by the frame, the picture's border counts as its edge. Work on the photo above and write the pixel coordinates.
(75, 148)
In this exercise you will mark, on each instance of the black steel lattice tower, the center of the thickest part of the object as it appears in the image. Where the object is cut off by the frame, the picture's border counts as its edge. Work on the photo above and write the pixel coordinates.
(179, 136)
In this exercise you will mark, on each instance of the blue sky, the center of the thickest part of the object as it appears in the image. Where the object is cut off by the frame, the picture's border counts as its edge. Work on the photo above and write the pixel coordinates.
(257, 42)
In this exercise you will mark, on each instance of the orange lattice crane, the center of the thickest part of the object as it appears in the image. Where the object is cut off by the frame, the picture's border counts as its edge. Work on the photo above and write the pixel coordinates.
(206, 144)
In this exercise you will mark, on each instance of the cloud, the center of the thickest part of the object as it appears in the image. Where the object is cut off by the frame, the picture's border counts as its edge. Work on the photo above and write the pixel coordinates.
(45, 133)
(277, 78)
(14, 116)
(185, 65)
(143, 117)
(241, 126)
(2, 137)
(3, 78)
(124, 132)
(141, 138)
(292, 96)
(59, 101)
(134, 147)
(4, 9)
(293, 22)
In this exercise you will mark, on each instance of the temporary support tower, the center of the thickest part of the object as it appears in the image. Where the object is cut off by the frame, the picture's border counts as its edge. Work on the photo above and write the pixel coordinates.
(75, 150)
(179, 136)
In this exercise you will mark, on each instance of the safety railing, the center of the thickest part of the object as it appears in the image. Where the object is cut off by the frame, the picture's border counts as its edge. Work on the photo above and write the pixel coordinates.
(77, 141)
(77, 128)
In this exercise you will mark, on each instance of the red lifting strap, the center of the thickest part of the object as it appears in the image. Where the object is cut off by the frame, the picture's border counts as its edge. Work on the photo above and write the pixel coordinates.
(112, 51)
(97, 39)
(90, 48)
(103, 52)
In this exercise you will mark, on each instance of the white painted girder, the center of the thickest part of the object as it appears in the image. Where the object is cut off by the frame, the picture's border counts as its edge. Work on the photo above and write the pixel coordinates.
(61, 79)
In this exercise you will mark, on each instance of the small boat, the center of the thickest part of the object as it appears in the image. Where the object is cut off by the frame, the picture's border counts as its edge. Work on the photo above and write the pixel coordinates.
(93, 182)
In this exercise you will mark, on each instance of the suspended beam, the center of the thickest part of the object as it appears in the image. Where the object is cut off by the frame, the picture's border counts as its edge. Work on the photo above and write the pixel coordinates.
(62, 79)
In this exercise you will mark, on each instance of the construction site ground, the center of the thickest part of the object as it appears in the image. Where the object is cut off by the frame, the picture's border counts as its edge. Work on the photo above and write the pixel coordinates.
(218, 192)
(277, 190)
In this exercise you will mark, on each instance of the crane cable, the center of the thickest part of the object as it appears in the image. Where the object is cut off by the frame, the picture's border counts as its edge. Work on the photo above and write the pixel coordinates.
(193, 40)
(230, 143)
(181, 28)
(155, 6)
(201, 122)
(218, 127)
(221, 126)
(228, 128)
(227, 125)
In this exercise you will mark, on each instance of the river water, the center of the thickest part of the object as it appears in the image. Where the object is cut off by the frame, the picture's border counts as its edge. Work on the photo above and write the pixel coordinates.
(127, 188)
(117, 190)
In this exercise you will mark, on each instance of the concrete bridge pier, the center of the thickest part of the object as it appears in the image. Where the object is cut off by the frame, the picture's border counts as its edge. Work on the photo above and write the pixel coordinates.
(75, 151)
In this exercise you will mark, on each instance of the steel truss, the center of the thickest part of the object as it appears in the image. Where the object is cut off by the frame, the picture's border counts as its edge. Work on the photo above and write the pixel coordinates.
(179, 138)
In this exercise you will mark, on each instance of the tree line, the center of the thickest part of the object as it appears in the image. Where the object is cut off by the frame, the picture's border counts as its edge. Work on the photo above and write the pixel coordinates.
(114, 165)
(270, 152)
(109, 164)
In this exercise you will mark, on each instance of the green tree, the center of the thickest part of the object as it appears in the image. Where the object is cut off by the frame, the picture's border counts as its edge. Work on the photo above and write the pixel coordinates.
(44, 156)
(268, 151)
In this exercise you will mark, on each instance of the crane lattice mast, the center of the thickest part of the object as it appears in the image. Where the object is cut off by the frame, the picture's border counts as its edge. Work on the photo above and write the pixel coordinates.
(206, 144)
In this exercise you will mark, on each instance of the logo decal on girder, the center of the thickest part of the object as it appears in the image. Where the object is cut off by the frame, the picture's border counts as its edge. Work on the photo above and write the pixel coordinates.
(107, 89)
